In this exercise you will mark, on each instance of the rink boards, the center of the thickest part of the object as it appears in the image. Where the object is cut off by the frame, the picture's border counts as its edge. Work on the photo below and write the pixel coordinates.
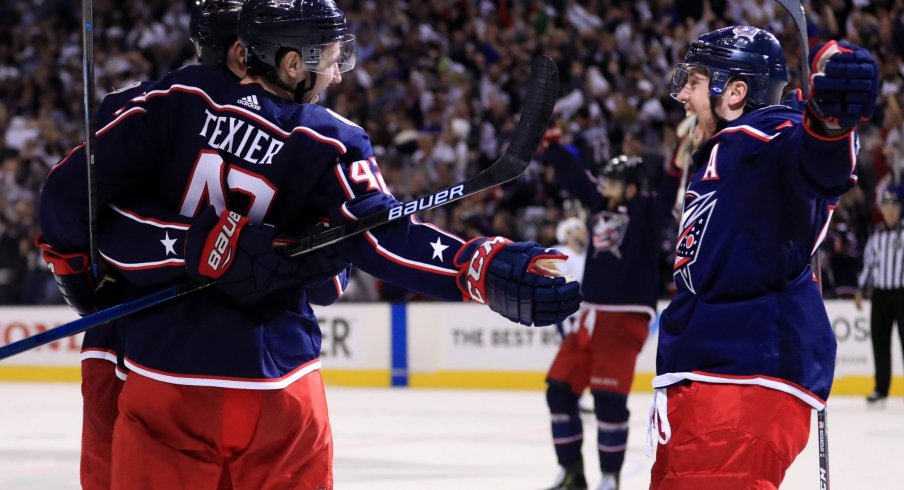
(433, 345)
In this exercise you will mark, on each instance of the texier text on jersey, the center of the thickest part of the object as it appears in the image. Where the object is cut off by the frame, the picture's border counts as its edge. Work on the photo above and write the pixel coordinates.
(243, 140)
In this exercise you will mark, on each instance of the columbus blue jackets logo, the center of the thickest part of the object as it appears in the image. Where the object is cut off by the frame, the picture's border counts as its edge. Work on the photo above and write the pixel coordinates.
(745, 31)
(609, 231)
(694, 221)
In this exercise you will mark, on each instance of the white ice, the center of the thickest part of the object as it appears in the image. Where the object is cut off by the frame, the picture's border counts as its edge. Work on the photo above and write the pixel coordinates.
(400, 439)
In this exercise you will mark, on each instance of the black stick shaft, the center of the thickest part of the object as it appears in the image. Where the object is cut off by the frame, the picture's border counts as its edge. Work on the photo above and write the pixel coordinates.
(822, 428)
(88, 104)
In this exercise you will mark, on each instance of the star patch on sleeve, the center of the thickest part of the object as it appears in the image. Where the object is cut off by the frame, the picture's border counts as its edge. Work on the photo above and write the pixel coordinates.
(168, 245)
(438, 249)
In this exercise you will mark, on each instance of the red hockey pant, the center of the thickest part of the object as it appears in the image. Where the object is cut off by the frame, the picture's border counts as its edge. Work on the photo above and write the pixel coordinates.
(100, 396)
(605, 360)
(730, 437)
(173, 437)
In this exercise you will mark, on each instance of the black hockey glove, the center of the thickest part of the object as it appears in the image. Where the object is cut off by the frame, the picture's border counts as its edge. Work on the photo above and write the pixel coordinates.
(74, 279)
(844, 85)
(512, 279)
(240, 257)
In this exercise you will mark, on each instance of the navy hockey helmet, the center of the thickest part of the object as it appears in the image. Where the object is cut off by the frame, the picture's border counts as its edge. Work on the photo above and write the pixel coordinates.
(212, 28)
(628, 170)
(744, 52)
(315, 28)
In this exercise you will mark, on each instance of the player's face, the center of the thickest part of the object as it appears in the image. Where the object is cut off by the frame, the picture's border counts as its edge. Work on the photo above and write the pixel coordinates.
(694, 95)
(327, 73)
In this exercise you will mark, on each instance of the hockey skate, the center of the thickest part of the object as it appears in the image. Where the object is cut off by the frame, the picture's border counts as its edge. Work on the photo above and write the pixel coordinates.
(570, 478)
(875, 400)
(609, 482)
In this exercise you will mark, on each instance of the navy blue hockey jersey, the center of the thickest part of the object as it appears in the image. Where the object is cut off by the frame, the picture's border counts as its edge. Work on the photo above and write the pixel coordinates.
(748, 309)
(198, 140)
(622, 266)
(103, 342)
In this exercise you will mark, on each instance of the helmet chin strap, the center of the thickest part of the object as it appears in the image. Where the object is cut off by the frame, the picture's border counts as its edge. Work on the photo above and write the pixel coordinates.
(721, 122)
(299, 90)
(305, 86)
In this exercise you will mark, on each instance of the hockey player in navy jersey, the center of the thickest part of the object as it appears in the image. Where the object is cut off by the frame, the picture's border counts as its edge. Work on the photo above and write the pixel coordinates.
(229, 377)
(212, 30)
(621, 286)
(745, 347)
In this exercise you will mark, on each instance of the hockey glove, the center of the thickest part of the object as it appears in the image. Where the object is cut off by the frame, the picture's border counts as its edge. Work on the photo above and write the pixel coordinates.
(75, 281)
(240, 257)
(509, 278)
(844, 85)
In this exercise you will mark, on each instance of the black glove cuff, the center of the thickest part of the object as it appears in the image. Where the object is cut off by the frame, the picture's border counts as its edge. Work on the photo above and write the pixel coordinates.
(822, 127)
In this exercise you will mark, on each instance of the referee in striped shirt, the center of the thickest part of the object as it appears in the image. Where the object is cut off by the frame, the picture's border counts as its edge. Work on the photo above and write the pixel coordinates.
(883, 269)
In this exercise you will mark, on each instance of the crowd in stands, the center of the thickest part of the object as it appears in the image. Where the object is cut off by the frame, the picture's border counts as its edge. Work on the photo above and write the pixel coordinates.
(438, 86)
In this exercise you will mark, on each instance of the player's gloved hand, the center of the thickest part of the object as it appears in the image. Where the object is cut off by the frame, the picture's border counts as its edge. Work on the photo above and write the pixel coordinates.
(241, 258)
(844, 84)
(511, 280)
(74, 279)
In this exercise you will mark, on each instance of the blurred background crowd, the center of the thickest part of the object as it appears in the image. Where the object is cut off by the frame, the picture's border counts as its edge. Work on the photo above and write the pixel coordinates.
(438, 87)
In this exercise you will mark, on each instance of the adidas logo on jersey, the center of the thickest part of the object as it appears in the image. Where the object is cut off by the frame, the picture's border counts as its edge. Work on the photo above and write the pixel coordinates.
(250, 101)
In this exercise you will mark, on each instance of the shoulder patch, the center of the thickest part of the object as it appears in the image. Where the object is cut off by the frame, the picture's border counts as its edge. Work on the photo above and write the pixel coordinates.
(786, 124)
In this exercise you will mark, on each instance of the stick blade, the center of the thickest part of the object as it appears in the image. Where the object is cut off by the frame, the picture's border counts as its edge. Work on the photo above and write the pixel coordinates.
(796, 10)
(543, 87)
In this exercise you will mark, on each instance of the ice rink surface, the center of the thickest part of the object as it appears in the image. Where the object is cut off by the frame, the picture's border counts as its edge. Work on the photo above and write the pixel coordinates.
(406, 439)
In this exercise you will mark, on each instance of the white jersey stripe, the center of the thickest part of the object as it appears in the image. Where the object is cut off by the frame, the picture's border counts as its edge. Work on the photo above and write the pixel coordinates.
(236, 383)
(437, 229)
(397, 258)
(148, 221)
(228, 107)
(668, 379)
(752, 131)
(142, 265)
(103, 355)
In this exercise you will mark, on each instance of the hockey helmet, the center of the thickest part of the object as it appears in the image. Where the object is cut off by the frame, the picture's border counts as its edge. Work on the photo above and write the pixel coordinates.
(212, 28)
(316, 29)
(569, 226)
(744, 52)
(625, 169)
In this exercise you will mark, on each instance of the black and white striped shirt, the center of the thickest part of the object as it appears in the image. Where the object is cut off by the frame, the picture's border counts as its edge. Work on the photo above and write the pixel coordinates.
(883, 258)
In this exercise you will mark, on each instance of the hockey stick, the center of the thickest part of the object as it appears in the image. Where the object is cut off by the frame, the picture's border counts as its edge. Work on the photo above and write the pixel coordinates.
(822, 433)
(538, 104)
(796, 10)
(88, 103)
(543, 88)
